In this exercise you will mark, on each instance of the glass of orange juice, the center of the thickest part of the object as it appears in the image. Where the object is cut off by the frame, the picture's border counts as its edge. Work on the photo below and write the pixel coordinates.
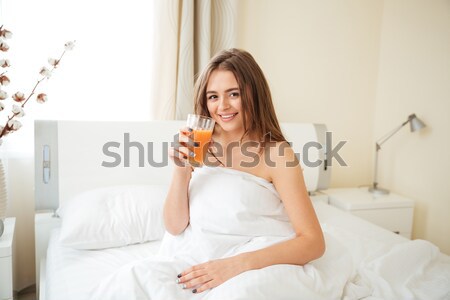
(202, 129)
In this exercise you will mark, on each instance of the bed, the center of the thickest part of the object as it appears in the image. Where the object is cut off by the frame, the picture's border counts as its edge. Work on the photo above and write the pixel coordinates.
(78, 163)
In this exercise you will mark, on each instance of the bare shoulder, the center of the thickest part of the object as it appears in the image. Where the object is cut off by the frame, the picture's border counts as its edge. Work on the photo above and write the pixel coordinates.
(281, 154)
(281, 161)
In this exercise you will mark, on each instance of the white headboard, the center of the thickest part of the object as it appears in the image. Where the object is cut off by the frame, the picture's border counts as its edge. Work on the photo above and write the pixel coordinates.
(75, 156)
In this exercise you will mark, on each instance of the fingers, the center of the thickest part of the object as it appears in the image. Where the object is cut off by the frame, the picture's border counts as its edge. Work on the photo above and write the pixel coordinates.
(209, 275)
(186, 130)
(199, 280)
(209, 285)
(179, 157)
(185, 137)
(181, 153)
(182, 147)
(194, 282)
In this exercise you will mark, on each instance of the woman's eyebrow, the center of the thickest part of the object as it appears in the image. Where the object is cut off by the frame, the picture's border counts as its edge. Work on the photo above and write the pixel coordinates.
(229, 90)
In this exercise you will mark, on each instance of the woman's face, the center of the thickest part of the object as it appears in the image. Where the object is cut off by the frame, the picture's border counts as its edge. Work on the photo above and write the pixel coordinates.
(224, 101)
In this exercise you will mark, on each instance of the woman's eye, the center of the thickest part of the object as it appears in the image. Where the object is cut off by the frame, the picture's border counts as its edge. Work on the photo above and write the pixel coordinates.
(234, 95)
(212, 97)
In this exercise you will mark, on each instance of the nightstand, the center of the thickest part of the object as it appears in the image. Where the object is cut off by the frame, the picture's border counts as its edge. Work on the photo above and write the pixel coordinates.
(390, 211)
(318, 196)
(6, 260)
(44, 223)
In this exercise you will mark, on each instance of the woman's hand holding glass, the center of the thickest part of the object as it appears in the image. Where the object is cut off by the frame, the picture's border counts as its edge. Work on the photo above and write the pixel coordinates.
(193, 141)
(183, 148)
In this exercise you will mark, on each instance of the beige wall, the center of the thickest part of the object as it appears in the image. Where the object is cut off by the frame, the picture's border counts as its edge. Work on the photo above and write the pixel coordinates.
(362, 67)
(321, 60)
(414, 76)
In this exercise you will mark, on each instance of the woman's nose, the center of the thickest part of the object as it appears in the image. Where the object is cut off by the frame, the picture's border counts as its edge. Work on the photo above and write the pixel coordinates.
(224, 103)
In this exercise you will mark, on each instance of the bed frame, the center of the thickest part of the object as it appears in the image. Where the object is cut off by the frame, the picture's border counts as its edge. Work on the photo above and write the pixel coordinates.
(75, 156)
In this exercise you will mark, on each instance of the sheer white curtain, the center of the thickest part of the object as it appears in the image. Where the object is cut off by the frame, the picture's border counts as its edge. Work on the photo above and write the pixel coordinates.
(188, 33)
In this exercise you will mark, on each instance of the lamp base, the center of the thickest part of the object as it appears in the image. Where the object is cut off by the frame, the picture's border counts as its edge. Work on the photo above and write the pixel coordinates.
(378, 191)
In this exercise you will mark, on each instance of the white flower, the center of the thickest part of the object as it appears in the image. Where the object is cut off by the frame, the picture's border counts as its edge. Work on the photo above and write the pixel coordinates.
(6, 34)
(14, 124)
(18, 111)
(41, 98)
(45, 72)
(3, 95)
(4, 80)
(2, 107)
(18, 97)
(3, 46)
(4, 63)
(69, 45)
(53, 62)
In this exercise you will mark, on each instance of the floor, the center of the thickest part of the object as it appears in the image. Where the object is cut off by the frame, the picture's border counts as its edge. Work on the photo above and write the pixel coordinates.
(28, 293)
(29, 296)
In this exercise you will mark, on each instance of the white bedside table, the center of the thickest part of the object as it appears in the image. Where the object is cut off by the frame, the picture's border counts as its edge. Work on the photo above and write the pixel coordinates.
(44, 223)
(390, 211)
(6, 260)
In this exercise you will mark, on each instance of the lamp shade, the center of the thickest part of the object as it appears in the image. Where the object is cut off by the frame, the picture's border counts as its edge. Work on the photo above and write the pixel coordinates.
(415, 123)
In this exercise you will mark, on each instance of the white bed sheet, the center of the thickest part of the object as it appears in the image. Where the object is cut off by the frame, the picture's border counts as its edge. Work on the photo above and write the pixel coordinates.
(73, 274)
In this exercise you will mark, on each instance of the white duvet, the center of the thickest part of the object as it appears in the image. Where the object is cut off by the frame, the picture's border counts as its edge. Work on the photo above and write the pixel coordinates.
(231, 212)
(234, 212)
(389, 267)
(410, 270)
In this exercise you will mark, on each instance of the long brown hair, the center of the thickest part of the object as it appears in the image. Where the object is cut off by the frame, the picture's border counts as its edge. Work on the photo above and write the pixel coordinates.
(256, 98)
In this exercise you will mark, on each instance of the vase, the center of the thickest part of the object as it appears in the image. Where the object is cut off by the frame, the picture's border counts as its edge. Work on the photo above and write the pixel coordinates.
(3, 197)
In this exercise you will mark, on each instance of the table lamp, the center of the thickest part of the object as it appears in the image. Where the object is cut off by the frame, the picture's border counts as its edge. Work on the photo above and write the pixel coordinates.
(415, 125)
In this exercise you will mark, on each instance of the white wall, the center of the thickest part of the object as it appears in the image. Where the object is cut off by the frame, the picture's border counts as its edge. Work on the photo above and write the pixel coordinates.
(414, 76)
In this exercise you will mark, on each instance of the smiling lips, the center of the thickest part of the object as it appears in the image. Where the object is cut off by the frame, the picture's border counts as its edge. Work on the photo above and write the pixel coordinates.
(228, 117)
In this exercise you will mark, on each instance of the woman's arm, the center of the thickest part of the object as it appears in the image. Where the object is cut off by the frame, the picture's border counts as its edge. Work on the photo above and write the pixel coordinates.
(176, 206)
(306, 246)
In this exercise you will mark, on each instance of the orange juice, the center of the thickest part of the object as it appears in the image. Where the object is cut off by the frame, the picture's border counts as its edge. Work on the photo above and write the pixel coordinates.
(202, 137)
(202, 128)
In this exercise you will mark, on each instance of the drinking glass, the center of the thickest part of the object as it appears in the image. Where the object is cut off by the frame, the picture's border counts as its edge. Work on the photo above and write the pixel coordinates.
(202, 129)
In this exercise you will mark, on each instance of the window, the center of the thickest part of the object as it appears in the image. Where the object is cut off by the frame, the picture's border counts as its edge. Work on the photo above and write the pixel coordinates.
(106, 76)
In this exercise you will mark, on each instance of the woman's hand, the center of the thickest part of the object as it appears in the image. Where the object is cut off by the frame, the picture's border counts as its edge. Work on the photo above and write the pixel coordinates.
(210, 274)
(183, 148)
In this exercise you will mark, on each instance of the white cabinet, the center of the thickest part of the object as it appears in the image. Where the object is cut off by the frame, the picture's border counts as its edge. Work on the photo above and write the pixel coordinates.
(318, 197)
(44, 223)
(6, 260)
(391, 211)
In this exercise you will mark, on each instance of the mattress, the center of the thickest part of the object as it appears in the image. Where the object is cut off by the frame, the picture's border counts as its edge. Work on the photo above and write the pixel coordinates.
(73, 274)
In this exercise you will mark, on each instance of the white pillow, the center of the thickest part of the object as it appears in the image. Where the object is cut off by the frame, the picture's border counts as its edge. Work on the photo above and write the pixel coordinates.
(113, 217)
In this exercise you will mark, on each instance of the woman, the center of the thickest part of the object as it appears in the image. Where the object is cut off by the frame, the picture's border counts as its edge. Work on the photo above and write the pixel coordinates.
(247, 143)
